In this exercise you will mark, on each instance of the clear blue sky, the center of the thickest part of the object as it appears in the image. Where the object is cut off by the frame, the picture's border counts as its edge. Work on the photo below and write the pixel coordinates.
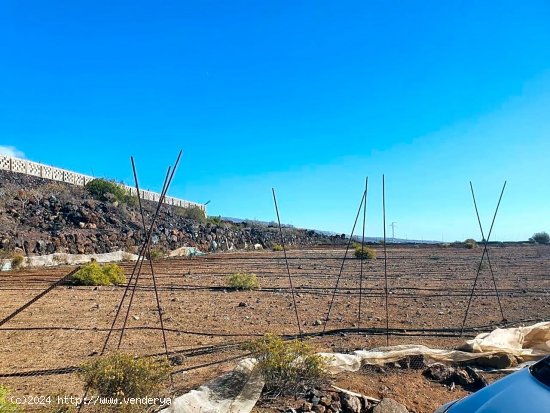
(306, 96)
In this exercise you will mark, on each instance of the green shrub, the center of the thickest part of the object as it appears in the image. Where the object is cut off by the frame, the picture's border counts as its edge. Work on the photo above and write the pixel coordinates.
(288, 367)
(95, 274)
(157, 253)
(540, 238)
(191, 212)
(470, 243)
(215, 220)
(363, 252)
(100, 188)
(243, 281)
(278, 247)
(7, 406)
(17, 261)
(124, 376)
(114, 273)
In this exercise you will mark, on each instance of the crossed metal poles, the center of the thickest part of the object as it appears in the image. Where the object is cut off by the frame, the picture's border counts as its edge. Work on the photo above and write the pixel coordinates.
(485, 253)
(136, 272)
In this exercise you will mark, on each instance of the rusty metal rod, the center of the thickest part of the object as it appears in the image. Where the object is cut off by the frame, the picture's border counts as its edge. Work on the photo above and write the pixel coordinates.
(482, 255)
(287, 267)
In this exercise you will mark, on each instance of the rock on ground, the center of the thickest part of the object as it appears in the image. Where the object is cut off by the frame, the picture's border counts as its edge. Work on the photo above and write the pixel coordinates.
(390, 406)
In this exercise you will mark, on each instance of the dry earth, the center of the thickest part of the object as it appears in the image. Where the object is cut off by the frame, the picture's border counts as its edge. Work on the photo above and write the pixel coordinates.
(429, 288)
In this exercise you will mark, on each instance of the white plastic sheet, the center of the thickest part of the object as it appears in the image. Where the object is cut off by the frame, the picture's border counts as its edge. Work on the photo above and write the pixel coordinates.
(239, 390)
(233, 392)
(57, 258)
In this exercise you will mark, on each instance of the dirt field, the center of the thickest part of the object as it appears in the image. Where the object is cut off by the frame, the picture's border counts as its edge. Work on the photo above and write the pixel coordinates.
(429, 288)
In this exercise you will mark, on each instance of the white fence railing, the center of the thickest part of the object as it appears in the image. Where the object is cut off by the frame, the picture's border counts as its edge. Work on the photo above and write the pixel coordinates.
(57, 174)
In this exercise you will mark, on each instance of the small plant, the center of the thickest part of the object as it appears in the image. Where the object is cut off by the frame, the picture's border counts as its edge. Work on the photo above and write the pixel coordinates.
(7, 406)
(278, 247)
(191, 212)
(125, 376)
(95, 274)
(540, 238)
(157, 253)
(288, 367)
(215, 220)
(17, 261)
(363, 252)
(105, 190)
(470, 243)
(243, 281)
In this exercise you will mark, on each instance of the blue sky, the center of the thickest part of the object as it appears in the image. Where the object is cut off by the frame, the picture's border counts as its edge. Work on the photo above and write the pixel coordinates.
(308, 97)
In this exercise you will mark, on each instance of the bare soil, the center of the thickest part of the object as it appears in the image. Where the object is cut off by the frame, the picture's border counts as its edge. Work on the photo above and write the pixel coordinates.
(429, 288)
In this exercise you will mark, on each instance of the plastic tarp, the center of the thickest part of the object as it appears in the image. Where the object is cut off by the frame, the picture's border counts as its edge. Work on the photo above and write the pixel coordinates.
(525, 343)
(233, 392)
(240, 389)
(186, 252)
(58, 258)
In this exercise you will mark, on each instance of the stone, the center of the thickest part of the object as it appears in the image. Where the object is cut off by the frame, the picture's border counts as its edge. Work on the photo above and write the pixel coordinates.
(325, 401)
(439, 372)
(465, 377)
(306, 407)
(350, 404)
(176, 360)
(335, 406)
(389, 406)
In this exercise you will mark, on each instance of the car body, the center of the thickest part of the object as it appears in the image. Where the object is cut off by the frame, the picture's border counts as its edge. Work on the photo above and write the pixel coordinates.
(525, 391)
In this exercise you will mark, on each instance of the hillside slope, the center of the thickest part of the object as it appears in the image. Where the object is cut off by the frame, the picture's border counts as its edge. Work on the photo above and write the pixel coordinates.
(39, 216)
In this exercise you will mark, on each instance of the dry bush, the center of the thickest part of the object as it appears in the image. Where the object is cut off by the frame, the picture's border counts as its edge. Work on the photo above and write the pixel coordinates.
(95, 274)
(125, 376)
(470, 243)
(17, 261)
(243, 281)
(191, 212)
(157, 253)
(277, 247)
(363, 252)
(7, 406)
(288, 367)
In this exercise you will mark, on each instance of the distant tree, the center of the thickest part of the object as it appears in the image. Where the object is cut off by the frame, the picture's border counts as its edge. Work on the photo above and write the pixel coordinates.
(540, 238)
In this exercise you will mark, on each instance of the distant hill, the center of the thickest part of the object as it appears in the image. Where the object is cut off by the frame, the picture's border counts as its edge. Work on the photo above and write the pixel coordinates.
(334, 234)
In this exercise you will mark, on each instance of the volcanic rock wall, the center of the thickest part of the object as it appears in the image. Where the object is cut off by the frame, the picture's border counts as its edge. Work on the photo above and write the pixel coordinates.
(39, 217)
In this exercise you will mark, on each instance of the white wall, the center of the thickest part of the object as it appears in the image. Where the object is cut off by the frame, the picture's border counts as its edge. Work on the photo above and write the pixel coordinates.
(56, 174)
